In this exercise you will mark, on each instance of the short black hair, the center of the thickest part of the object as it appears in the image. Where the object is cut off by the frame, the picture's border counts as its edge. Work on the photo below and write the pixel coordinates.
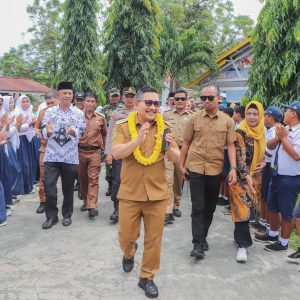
(253, 105)
(181, 91)
(228, 111)
(214, 85)
(240, 110)
(171, 95)
(90, 94)
(143, 90)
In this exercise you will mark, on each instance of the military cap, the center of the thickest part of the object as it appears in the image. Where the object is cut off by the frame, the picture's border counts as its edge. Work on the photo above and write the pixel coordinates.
(129, 90)
(114, 91)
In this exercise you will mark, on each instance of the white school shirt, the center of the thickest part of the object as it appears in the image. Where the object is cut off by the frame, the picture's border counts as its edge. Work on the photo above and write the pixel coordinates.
(270, 134)
(286, 164)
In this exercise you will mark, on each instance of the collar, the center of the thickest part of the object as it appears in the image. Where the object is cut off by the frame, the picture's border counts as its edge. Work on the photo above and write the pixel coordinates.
(205, 114)
(138, 121)
(185, 112)
(295, 127)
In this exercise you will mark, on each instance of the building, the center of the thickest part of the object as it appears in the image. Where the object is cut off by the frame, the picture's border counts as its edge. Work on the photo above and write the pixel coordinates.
(233, 67)
(10, 85)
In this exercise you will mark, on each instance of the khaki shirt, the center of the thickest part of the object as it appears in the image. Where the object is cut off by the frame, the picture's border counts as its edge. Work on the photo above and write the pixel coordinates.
(207, 138)
(95, 132)
(178, 122)
(139, 182)
(38, 126)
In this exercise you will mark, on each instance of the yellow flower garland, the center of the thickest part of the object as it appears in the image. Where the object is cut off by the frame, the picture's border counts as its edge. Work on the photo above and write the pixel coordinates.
(146, 161)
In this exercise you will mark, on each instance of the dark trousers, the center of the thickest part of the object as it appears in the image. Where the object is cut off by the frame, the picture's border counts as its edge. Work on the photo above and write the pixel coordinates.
(204, 193)
(68, 173)
(242, 234)
(116, 180)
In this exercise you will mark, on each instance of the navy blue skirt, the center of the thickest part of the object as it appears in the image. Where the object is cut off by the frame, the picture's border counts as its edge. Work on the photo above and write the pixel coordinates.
(2, 204)
(15, 173)
(4, 171)
(36, 162)
(25, 155)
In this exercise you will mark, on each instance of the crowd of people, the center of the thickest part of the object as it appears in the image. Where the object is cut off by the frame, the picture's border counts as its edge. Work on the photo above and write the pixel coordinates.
(244, 158)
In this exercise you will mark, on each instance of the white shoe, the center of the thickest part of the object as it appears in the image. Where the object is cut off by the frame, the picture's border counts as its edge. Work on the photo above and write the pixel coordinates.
(241, 255)
(3, 223)
(10, 207)
(8, 213)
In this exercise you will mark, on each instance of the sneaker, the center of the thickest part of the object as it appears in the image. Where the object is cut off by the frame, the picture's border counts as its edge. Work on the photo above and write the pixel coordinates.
(3, 223)
(294, 257)
(197, 251)
(257, 226)
(276, 247)
(241, 255)
(265, 238)
(8, 213)
(10, 207)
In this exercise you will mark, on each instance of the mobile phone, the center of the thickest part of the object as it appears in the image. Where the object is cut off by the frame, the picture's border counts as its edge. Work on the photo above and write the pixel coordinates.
(165, 144)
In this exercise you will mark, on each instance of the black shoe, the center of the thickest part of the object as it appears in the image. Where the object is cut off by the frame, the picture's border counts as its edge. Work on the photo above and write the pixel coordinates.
(198, 251)
(49, 223)
(83, 208)
(205, 246)
(93, 213)
(108, 193)
(276, 247)
(177, 212)
(265, 238)
(41, 209)
(222, 201)
(168, 219)
(294, 257)
(150, 288)
(115, 215)
(128, 264)
(257, 226)
(67, 221)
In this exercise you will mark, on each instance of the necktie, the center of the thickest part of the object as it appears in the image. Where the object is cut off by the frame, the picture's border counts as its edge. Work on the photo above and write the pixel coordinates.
(275, 168)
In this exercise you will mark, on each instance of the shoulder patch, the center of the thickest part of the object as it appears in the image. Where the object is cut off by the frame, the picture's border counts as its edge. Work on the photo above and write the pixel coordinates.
(100, 114)
(168, 124)
(122, 121)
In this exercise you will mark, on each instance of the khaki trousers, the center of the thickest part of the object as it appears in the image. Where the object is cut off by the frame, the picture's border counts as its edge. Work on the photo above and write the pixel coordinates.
(88, 172)
(42, 194)
(174, 182)
(153, 214)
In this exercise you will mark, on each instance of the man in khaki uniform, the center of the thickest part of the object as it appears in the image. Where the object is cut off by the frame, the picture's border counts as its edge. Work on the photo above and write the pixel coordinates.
(202, 160)
(143, 191)
(178, 118)
(90, 145)
(51, 100)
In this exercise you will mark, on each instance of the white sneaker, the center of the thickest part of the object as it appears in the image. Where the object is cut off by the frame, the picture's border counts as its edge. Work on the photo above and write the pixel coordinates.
(8, 213)
(241, 255)
(3, 223)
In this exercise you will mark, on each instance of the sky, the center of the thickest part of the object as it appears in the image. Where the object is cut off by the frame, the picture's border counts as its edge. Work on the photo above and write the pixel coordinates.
(15, 21)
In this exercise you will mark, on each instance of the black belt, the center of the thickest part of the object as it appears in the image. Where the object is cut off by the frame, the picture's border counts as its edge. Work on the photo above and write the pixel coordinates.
(89, 148)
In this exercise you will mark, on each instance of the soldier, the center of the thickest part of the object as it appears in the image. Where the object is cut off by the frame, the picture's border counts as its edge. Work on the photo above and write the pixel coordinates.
(51, 100)
(119, 114)
(143, 191)
(107, 110)
(178, 118)
(90, 146)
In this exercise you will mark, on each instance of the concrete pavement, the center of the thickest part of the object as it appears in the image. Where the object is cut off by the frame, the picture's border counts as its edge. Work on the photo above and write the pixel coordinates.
(83, 261)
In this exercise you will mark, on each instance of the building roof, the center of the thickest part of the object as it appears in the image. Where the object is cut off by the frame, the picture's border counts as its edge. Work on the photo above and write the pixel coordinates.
(22, 85)
(223, 59)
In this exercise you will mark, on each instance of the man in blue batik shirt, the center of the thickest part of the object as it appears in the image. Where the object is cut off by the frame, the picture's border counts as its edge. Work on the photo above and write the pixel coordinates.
(63, 126)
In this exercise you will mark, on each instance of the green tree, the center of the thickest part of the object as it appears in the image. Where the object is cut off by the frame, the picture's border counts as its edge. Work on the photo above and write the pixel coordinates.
(80, 45)
(275, 72)
(132, 43)
(46, 17)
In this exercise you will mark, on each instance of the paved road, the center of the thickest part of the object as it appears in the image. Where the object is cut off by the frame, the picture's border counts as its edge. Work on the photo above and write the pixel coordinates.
(83, 261)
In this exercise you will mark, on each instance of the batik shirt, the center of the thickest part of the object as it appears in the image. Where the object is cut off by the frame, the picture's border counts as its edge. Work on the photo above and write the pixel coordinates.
(62, 147)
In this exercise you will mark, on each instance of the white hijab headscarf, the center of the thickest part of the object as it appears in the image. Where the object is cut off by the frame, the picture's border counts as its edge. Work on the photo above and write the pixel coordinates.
(2, 111)
(26, 113)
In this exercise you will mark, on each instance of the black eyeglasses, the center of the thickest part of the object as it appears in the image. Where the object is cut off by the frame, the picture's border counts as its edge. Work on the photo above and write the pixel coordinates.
(180, 98)
(152, 102)
(210, 98)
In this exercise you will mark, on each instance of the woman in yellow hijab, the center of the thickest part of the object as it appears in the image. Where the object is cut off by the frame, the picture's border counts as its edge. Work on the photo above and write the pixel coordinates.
(250, 148)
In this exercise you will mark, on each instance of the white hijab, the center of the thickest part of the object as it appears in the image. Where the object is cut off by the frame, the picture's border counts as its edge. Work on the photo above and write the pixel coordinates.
(2, 111)
(26, 113)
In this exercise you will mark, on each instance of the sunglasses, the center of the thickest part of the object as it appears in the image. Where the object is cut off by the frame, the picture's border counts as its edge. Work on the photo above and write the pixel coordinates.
(152, 102)
(210, 98)
(180, 98)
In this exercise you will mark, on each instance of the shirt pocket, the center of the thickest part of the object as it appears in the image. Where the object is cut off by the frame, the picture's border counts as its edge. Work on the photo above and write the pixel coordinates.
(220, 136)
(198, 132)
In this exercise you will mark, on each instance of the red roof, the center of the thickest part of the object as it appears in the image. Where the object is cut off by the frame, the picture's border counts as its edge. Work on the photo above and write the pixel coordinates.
(16, 84)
